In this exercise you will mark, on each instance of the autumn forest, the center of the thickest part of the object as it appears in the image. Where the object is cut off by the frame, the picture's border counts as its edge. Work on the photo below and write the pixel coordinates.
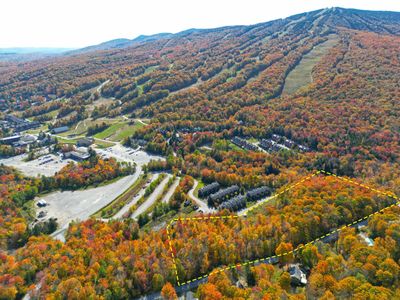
(218, 106)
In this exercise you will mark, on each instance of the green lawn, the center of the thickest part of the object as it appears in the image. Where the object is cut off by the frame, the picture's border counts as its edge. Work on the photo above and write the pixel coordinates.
(119, 131)
(102, 144)
(43, 128)
(67, 141)
(199, 186)
(109, 131)
(80, 129)
(126, 131)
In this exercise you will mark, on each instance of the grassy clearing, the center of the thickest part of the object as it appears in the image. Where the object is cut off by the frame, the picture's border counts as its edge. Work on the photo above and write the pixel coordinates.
(67, 141)
(81, 128)
(233, 147)
(103, 144)
(119, 202)
(126, 131)
(119, 131)
(43, 128)
(109, 131)
(199, 186)
(301, 75)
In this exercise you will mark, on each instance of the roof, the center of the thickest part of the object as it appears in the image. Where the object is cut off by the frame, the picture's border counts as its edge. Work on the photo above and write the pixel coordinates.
(235, 203)
(60, 129)
(296, 272)
(210, 186)
(9, 138)
(224, 192)
(257, 191)
(80, 155)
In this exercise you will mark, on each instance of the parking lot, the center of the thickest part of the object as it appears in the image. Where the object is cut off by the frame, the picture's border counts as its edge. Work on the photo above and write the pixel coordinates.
(122, 153)
(73, 205)
(45, 165)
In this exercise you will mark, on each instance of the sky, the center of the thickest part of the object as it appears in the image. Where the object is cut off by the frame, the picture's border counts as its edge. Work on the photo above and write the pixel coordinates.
(80, 23)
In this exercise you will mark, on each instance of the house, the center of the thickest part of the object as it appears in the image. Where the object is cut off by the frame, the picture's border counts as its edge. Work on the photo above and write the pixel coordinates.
(25, 140)
(276, 137)
(297, 276)
(217, 198)
(234, 204)
(272, 146)
(304, 148)
(75, 155)
(28, 138)
(244, 144)
(19, 124)
(258, 193)
(266, 144)
(59, 129)
(85, 142)
(10, 139)
(26, 125)
(208, 189)
(79, 154)
(14, 119)
(289, 143)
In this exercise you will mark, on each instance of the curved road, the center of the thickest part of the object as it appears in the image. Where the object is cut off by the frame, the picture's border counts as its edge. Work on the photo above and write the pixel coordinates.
(201, 204)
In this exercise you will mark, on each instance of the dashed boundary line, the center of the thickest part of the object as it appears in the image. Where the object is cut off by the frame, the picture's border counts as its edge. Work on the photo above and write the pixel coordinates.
(274, 257)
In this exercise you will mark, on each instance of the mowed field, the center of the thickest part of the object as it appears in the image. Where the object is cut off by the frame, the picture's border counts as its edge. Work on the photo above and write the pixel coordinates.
(119, 131)
(301, 75)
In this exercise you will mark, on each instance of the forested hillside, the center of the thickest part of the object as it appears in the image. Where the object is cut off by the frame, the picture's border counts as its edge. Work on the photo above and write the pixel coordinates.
(216, 110)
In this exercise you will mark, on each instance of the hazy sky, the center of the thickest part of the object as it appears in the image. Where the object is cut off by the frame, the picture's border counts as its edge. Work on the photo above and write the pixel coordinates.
(78, 23)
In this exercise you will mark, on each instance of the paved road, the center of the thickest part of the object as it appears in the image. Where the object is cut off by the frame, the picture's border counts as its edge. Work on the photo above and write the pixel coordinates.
(152, 198)
(171, 190)
(133, 201)
(245, 211)
(201, 204)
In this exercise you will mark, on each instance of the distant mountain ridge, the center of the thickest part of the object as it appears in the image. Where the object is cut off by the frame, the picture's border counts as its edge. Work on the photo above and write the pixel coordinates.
(384, 22)
(387, 22)
(30, 53)
(121, 43)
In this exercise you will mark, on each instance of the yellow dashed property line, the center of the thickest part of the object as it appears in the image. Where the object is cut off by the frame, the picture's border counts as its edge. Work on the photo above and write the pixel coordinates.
(391, 195)
(282, 192)
(172, 253)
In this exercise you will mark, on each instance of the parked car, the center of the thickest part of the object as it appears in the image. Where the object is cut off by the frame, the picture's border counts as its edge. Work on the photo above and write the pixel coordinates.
(42, 214)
